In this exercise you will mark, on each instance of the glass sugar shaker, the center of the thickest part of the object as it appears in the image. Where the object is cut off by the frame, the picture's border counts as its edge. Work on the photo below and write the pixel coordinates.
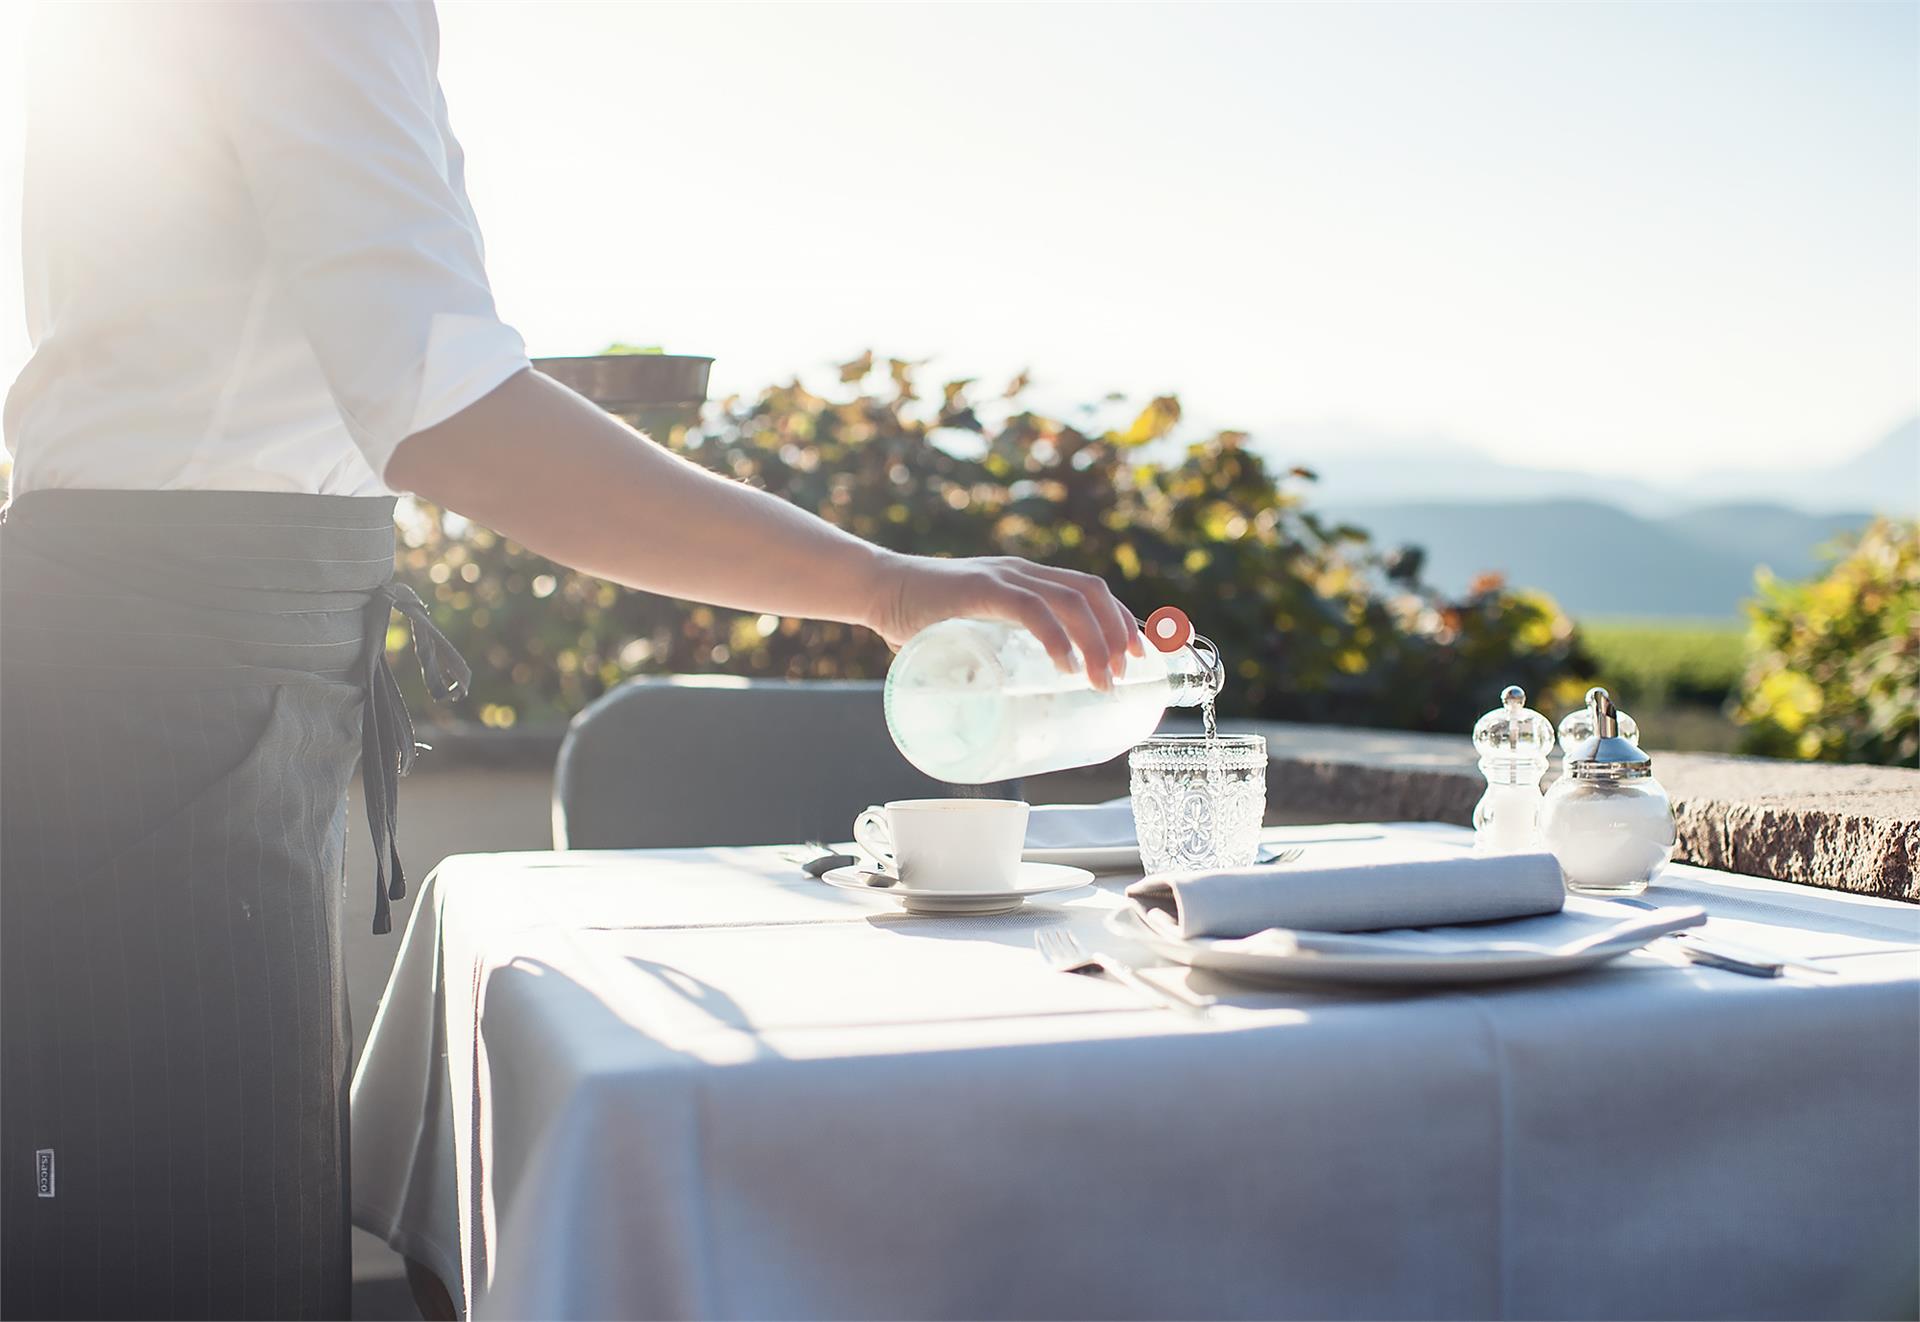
(1607, 820)
(1514, 742)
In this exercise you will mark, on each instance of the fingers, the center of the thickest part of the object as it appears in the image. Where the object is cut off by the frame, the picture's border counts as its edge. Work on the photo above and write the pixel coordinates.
(1068, 611)
(1117, 624)
(1084, 626)
(1035, 614)
(1126, 629)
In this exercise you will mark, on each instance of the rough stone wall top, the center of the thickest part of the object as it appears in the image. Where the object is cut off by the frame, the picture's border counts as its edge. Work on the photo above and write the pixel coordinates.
(1853, 828)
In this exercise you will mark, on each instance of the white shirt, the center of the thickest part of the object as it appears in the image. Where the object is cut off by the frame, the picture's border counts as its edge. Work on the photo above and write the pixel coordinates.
(250, 260)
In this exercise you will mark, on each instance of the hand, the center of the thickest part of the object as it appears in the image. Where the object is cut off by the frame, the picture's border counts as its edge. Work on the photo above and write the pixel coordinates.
(1066, 610)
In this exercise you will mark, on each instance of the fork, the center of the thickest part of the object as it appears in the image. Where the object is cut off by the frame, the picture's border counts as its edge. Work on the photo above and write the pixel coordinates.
(1720, 954)
(1267, 855)
(1064, 951)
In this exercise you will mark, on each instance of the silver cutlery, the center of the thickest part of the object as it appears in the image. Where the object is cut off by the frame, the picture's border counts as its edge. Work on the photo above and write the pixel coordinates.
(816, 859)
(1268, 855)
(818, 867)
(1064, 951)
(1731, 956)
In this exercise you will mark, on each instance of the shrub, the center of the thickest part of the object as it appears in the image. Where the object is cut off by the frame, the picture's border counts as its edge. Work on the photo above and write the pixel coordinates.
(1835, 669)
(1314, 623)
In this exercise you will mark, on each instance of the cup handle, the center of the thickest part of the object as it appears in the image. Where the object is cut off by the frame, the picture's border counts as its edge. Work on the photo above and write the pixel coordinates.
(871, 833)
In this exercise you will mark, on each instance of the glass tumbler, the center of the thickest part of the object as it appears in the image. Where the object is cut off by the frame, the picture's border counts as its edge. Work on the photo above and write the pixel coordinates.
(1198, 802)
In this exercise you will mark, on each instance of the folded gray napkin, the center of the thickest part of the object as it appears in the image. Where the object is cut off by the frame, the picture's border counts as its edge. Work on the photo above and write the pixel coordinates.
(1081, 825)
(1357, 897)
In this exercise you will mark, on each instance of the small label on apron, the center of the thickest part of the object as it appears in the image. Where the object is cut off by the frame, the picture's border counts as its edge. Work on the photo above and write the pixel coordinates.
(43, 1171)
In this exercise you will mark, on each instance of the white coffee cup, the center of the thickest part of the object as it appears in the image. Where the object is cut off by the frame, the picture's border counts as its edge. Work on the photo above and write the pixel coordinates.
(947, 844)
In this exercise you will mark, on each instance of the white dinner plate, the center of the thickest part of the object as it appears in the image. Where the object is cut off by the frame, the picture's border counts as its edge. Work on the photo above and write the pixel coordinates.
(1387, 967)
(1094, 858)
(1035, 879)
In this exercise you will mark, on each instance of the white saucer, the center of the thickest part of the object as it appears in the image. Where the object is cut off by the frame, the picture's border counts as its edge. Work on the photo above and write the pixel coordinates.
(1035, 879)
(1095, 858)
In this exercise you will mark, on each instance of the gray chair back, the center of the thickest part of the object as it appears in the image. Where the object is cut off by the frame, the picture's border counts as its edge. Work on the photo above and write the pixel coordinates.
(715, 760)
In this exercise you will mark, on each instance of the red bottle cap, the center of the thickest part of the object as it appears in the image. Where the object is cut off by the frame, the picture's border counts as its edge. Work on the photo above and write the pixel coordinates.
(1169, 629)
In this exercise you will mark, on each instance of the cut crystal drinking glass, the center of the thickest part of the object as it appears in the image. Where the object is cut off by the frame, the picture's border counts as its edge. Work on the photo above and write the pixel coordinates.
(1198, 803)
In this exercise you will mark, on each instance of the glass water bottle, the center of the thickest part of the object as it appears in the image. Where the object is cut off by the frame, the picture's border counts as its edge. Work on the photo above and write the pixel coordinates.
(976, 701)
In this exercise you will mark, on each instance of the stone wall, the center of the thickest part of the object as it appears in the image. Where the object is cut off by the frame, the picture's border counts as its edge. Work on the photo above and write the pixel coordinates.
(1850, 828)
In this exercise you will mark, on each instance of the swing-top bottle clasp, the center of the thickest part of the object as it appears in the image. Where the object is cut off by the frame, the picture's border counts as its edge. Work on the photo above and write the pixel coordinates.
(1170, 631)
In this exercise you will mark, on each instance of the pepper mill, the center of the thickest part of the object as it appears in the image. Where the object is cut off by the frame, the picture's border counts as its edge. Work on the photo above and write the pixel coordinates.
(1608, 821)
(1514, 742)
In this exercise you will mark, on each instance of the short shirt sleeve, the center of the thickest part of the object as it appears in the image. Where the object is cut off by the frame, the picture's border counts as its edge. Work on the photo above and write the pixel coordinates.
(334, 113)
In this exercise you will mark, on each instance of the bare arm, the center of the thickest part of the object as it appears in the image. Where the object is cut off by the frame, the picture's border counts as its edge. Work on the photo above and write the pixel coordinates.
(547, 468)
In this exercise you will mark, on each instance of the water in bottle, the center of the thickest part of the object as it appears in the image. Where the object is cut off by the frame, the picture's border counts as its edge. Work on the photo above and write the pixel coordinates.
(975, 701)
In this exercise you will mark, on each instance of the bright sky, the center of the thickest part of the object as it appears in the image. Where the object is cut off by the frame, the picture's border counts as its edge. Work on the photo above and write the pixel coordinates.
(1652, 236)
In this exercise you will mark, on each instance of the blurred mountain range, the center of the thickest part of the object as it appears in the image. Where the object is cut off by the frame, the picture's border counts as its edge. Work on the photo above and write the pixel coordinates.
(1619, 547)
(1601, 560)
(1884, 477)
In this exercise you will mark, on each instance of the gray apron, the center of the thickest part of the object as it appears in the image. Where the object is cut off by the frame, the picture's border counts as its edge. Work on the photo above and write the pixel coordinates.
(187, 680)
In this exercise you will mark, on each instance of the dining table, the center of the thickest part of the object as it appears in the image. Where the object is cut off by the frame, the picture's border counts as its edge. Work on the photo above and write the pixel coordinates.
(701, 1083)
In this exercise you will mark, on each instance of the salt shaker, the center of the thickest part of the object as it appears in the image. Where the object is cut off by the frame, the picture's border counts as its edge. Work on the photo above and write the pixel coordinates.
(1608, 821)
(1514, 742)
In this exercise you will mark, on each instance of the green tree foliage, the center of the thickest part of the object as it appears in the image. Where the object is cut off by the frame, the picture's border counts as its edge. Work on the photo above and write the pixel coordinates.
(1834, 669)
(1314, 623)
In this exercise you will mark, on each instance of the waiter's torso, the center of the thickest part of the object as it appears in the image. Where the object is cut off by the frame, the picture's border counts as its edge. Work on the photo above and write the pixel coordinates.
(251, 272)
(250, 261)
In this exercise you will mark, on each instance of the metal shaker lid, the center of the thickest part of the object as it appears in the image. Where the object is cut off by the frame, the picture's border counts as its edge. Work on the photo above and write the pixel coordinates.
(1576, 729)
(1610, 755)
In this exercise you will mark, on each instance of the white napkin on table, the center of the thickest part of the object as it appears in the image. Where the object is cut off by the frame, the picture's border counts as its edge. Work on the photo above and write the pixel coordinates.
(1356, 897)
(1081, 825)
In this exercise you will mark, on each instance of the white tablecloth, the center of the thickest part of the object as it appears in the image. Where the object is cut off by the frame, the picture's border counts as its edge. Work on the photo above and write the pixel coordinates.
(696, 1083)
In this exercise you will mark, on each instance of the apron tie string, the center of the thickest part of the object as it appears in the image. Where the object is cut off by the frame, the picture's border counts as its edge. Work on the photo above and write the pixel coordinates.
(386, 732)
